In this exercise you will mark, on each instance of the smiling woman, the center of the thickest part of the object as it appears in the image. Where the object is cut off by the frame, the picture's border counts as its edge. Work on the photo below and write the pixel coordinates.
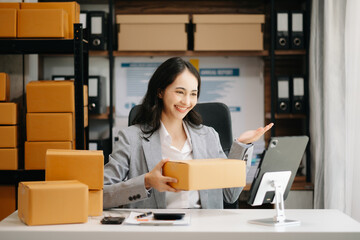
(167, 127)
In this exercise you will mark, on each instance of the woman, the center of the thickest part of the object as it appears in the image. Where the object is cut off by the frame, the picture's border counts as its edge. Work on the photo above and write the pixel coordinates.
(167, 128)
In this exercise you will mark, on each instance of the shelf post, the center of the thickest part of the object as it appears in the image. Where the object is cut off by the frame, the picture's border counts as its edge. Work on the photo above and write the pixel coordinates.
(79, 83)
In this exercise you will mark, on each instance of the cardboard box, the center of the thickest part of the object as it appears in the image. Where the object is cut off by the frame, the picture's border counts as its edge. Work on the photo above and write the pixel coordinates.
(50, 96)
(42, 23)
(35, 153)
(7, 200)
(152, 32)
(83, 165)
(54, 202)
(200, 174)
(45, 127)
(228, 32)
(95, 202)
(8, 158)
(8, 23)
(4, 87)
(9, 136)
(14, 5)
(8, 113)
(72, 9)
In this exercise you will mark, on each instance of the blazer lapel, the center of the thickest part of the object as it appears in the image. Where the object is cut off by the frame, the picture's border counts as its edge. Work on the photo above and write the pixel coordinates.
(153, 155)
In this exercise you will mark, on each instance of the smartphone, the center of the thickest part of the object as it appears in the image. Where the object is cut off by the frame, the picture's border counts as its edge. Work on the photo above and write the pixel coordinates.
(112, 220)
(168, 216)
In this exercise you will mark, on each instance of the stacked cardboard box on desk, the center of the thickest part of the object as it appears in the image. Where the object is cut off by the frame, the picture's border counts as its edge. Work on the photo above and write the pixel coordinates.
(72, 190)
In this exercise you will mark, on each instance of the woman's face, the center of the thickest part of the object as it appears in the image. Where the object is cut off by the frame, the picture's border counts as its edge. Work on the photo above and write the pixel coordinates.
(179, 97)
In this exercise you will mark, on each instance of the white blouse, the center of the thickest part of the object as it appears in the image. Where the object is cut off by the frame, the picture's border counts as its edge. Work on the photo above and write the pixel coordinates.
(183, 199)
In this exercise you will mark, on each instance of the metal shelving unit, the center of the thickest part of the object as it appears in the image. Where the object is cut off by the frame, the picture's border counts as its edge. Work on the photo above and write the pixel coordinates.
(79, 48)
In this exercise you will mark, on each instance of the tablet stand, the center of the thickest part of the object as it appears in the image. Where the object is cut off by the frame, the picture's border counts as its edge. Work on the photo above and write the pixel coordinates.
(274, 181)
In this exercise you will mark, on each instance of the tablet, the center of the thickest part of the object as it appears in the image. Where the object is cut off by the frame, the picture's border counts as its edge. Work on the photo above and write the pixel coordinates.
(282, 154)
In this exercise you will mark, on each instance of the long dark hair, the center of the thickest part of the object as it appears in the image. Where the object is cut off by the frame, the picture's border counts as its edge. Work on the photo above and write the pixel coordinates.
(151, 107)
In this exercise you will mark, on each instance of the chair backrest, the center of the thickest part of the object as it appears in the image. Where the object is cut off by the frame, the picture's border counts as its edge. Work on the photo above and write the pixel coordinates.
(214, 114)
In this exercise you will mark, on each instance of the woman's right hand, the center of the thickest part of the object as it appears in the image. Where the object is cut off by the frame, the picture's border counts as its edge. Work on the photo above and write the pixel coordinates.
(155, 179)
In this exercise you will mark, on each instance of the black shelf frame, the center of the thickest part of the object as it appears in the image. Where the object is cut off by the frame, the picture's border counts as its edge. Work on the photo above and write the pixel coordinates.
(272, 54)
(79, 48)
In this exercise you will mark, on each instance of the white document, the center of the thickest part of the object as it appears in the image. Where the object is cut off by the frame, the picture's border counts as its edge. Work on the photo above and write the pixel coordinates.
(149, 220)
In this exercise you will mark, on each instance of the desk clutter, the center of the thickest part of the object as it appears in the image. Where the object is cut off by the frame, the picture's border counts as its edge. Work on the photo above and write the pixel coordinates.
(38, 20)
(71, 192)
(8, 126)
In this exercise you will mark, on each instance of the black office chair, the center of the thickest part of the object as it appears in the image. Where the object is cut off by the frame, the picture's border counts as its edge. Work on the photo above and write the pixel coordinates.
(214, 114)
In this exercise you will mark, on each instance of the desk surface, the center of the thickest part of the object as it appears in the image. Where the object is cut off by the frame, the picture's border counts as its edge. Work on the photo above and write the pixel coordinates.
(205, 224)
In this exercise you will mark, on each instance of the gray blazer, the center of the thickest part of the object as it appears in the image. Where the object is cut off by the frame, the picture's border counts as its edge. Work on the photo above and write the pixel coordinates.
(136, 154)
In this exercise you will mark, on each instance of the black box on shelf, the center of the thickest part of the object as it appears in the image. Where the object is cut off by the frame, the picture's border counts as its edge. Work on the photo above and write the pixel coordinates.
(97, 30)
(283, 94)
(297, 29)
(97, 95)
(298, 94)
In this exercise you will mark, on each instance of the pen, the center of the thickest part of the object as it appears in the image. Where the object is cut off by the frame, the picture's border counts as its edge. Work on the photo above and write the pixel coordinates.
(144, 215)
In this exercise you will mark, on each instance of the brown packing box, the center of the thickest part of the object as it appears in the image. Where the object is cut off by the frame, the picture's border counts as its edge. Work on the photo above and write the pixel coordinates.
(4, 87)
(83, 165)
(72, 9)
(50, 96)
(8, 158)
(200, 174)
(7, 200)
(9, 136)
(225, 32)
(53, 202)
(44, 127)
(95, 202)
(8, 113)
(14, 5)
(42, 23)
(152, 32)
(35, 153)
(8, 23)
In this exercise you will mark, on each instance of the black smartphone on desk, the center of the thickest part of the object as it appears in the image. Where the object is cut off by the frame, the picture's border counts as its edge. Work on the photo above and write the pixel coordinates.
(112, 220)
(168, 216)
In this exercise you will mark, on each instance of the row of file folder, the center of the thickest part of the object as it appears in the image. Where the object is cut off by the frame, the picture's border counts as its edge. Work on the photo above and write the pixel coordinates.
(290, 30)
(95, 23)
(291, 94)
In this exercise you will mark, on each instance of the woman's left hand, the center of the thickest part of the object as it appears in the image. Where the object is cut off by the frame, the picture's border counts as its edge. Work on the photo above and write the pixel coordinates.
(253, 135)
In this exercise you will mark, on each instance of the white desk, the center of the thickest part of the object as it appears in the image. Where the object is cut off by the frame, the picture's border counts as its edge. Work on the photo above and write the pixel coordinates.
(205, 224)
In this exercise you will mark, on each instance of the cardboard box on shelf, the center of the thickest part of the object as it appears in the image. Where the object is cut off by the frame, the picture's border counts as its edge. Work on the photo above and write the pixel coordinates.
(4, 87)
(72, 9)
(7, 200)
(200, 174)
(8, 23)
(228, 32)
(86, 116)
(50, 96)
(44, 127)
(83, 165)
(9, 136)
(95, 202)
(42, 23)
(8, 113)
(152, 32)
(8, 158)
(35, 153)
(53, 202)
(14, 5)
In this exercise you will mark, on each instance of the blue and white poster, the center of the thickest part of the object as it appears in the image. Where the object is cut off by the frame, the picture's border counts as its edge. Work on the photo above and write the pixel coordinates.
(236, 81)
